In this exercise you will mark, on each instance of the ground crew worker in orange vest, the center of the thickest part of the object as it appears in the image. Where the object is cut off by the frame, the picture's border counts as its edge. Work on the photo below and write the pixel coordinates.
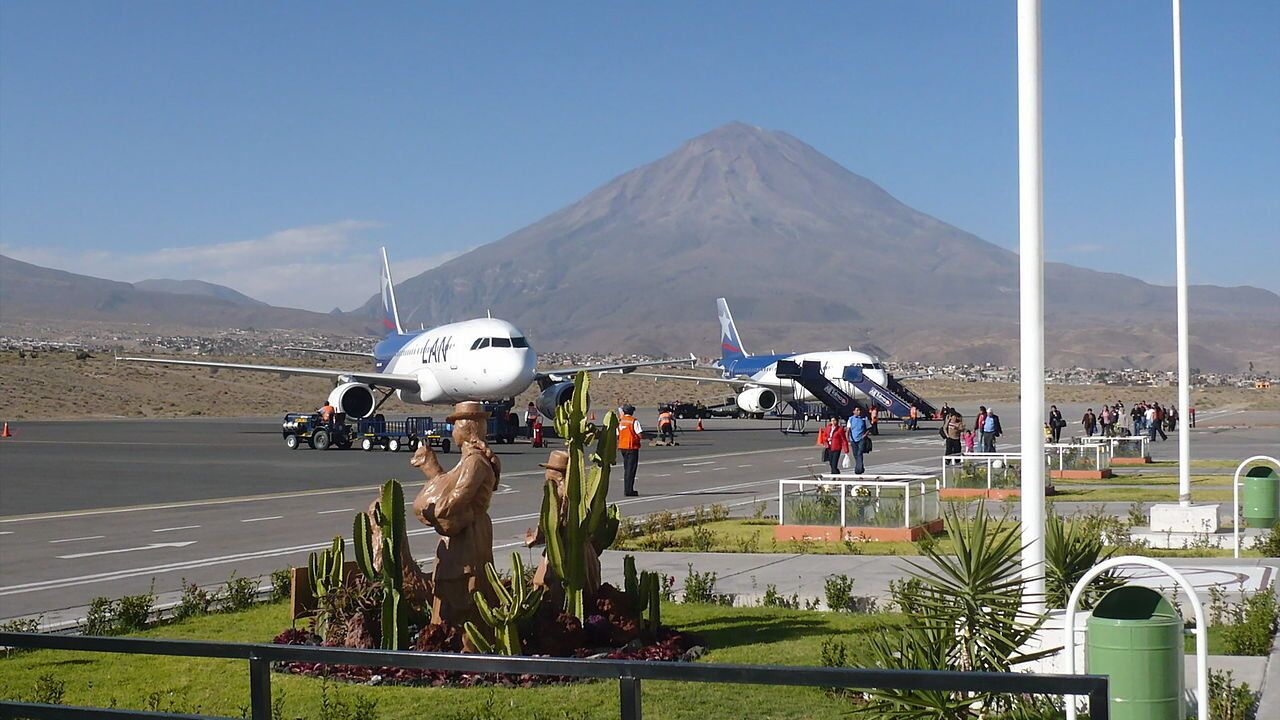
(667, 426)
(915, 417)
(326, 412)
(629, 445)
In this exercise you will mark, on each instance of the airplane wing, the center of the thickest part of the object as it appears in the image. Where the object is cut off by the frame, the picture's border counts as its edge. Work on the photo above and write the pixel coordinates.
(561, 374)
(326, 351)
(383, 380)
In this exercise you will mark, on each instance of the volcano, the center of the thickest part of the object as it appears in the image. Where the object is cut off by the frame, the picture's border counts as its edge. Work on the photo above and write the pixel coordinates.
(810, 256)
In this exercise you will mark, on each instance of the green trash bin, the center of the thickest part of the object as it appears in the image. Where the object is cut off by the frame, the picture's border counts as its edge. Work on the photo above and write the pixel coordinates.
(1136, 637)
(1261, 501)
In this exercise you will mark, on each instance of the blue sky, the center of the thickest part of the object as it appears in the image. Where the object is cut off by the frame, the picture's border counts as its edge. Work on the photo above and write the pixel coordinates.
(268, 146)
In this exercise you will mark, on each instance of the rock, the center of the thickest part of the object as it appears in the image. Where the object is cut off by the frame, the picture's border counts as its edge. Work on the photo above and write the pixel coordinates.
(693, 653)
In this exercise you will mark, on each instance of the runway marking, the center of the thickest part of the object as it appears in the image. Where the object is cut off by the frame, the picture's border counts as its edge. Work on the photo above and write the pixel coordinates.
(708, 462)
(77, 539)
(662, 475)
(317, 493)
(742, 466)
(330, 512)
(6, 532)
(691, 472)
(184, 527)
(276, 552)
(269, 517)
(152, 546)
(719, 468)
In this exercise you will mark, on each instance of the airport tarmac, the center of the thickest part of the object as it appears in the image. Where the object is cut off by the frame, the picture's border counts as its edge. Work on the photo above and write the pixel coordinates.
(102, 508)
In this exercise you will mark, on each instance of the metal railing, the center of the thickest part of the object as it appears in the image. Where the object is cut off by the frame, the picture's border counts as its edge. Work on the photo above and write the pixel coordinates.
(628, 673)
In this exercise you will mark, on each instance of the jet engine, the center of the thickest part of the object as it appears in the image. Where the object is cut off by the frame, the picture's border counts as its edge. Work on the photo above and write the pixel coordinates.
(757, 400)
(552, 397)
(353, 398)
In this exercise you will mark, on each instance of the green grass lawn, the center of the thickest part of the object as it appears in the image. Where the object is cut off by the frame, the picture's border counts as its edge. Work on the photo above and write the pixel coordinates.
(733, 635)
(1129, 494)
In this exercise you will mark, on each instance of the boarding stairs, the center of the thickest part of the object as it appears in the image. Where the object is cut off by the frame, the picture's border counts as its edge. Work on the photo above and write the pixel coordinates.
(927, 410)
(895, 399)
(810, 376)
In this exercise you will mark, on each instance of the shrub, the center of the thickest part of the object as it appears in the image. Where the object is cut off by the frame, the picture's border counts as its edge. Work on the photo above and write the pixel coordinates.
(101, 617)
(133, 612)
(839, 589)
(773, 598)
(19, 625)
(1269, 542)
(749, 544)
(1070, 551)
(1254, 624)
(281, 584)
(195, 601)
(699, 587)
(702, 539)
(1229, 701)
(905, 595)
(48, 691)
(239, 593)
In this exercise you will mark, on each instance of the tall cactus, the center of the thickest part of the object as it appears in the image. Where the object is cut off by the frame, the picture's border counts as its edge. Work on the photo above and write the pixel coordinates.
(587, 520)
(514, 607)
(388, 513)
(324, 570)
(644, 592)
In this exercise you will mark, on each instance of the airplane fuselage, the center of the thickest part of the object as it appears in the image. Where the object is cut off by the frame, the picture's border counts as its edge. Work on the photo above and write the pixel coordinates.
(482, 358)
(764, 369)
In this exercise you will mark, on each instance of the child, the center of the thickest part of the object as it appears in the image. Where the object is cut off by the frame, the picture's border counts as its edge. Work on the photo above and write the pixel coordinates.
(969, 438)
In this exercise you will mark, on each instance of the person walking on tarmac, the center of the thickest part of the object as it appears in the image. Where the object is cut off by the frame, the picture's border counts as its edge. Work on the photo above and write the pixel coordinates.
(915, 417)
(823, 435)
(667, 426)
(837, 442)
(530, 414)
(629, 445)
(874, 418)
(858, 440)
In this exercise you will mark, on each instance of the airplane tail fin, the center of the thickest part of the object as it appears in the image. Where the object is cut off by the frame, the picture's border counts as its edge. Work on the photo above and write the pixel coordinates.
(390, 316)
(730, 344)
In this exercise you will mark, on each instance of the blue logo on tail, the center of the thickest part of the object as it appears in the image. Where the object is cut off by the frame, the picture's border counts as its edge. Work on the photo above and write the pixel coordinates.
(730, 344)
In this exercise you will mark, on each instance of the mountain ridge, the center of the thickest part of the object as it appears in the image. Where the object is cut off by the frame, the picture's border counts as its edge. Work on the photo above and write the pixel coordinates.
(807, 252)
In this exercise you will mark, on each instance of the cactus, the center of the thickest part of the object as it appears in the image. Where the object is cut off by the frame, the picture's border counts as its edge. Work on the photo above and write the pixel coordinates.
(644, 592)
(514, 607)
(324, 570)
(587, 520)
(389, 514)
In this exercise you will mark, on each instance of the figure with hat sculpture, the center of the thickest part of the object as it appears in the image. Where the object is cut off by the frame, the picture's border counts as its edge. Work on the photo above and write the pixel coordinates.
(456, 505)
(557, 466)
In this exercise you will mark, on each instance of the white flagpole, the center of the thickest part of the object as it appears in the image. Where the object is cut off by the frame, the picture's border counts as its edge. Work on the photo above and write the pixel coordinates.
(1180, 225)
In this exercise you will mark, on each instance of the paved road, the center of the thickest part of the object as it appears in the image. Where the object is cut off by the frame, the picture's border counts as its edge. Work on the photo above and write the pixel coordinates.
(101, 508)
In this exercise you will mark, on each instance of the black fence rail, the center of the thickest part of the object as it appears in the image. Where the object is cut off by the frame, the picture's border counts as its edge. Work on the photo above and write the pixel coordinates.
(628, 673)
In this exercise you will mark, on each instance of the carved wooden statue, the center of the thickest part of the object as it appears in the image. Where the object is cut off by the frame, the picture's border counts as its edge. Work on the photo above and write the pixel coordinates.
(456, 505)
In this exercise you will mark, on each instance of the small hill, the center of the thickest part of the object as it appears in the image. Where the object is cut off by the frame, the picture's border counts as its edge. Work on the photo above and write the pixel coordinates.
(197, 287)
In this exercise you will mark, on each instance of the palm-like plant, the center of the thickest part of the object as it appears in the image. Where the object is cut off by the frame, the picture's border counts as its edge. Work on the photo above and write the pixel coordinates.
(970, 618)
(1070, 551)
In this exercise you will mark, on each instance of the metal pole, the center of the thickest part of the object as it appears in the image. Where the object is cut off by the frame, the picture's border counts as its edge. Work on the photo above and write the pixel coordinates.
(629, 697)
(260, 688)
(1180, 227)
(1031, 289)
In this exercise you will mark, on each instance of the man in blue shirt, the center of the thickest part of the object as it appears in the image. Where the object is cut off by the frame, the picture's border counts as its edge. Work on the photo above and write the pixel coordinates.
(858, 427)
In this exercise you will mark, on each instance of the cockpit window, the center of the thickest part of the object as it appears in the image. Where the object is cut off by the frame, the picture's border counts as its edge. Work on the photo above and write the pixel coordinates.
(476, 345)
(484, 343)
(519, 342)
(502, 342)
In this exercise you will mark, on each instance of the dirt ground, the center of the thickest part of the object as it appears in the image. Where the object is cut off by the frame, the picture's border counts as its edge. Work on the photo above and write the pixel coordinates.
(58, 386)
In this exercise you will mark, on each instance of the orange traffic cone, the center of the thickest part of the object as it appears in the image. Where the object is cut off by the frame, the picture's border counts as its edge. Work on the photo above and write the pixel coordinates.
(700, 424)
(5, 432)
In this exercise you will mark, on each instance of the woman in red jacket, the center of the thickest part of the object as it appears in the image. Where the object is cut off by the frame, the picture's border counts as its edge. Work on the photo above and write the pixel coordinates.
(837, 442)
(823, 434)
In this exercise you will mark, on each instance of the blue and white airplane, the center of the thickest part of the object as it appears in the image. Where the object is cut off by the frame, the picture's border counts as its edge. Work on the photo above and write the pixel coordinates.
(755, 377)
(481, 359)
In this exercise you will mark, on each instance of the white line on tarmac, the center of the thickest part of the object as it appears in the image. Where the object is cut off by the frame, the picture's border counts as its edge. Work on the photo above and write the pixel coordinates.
(330, 512)
(691, 472)
(184, 527)
(152, 546)
(706, 462)
(6, 532)
(77, 539)
(661, 475)
(742, 466)
(719, 468)
(311, 493)
(269, 517)
(276, 552)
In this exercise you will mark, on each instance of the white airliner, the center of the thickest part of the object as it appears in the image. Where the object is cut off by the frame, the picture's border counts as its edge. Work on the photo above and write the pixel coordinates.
(755, 377)
(481, 359)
